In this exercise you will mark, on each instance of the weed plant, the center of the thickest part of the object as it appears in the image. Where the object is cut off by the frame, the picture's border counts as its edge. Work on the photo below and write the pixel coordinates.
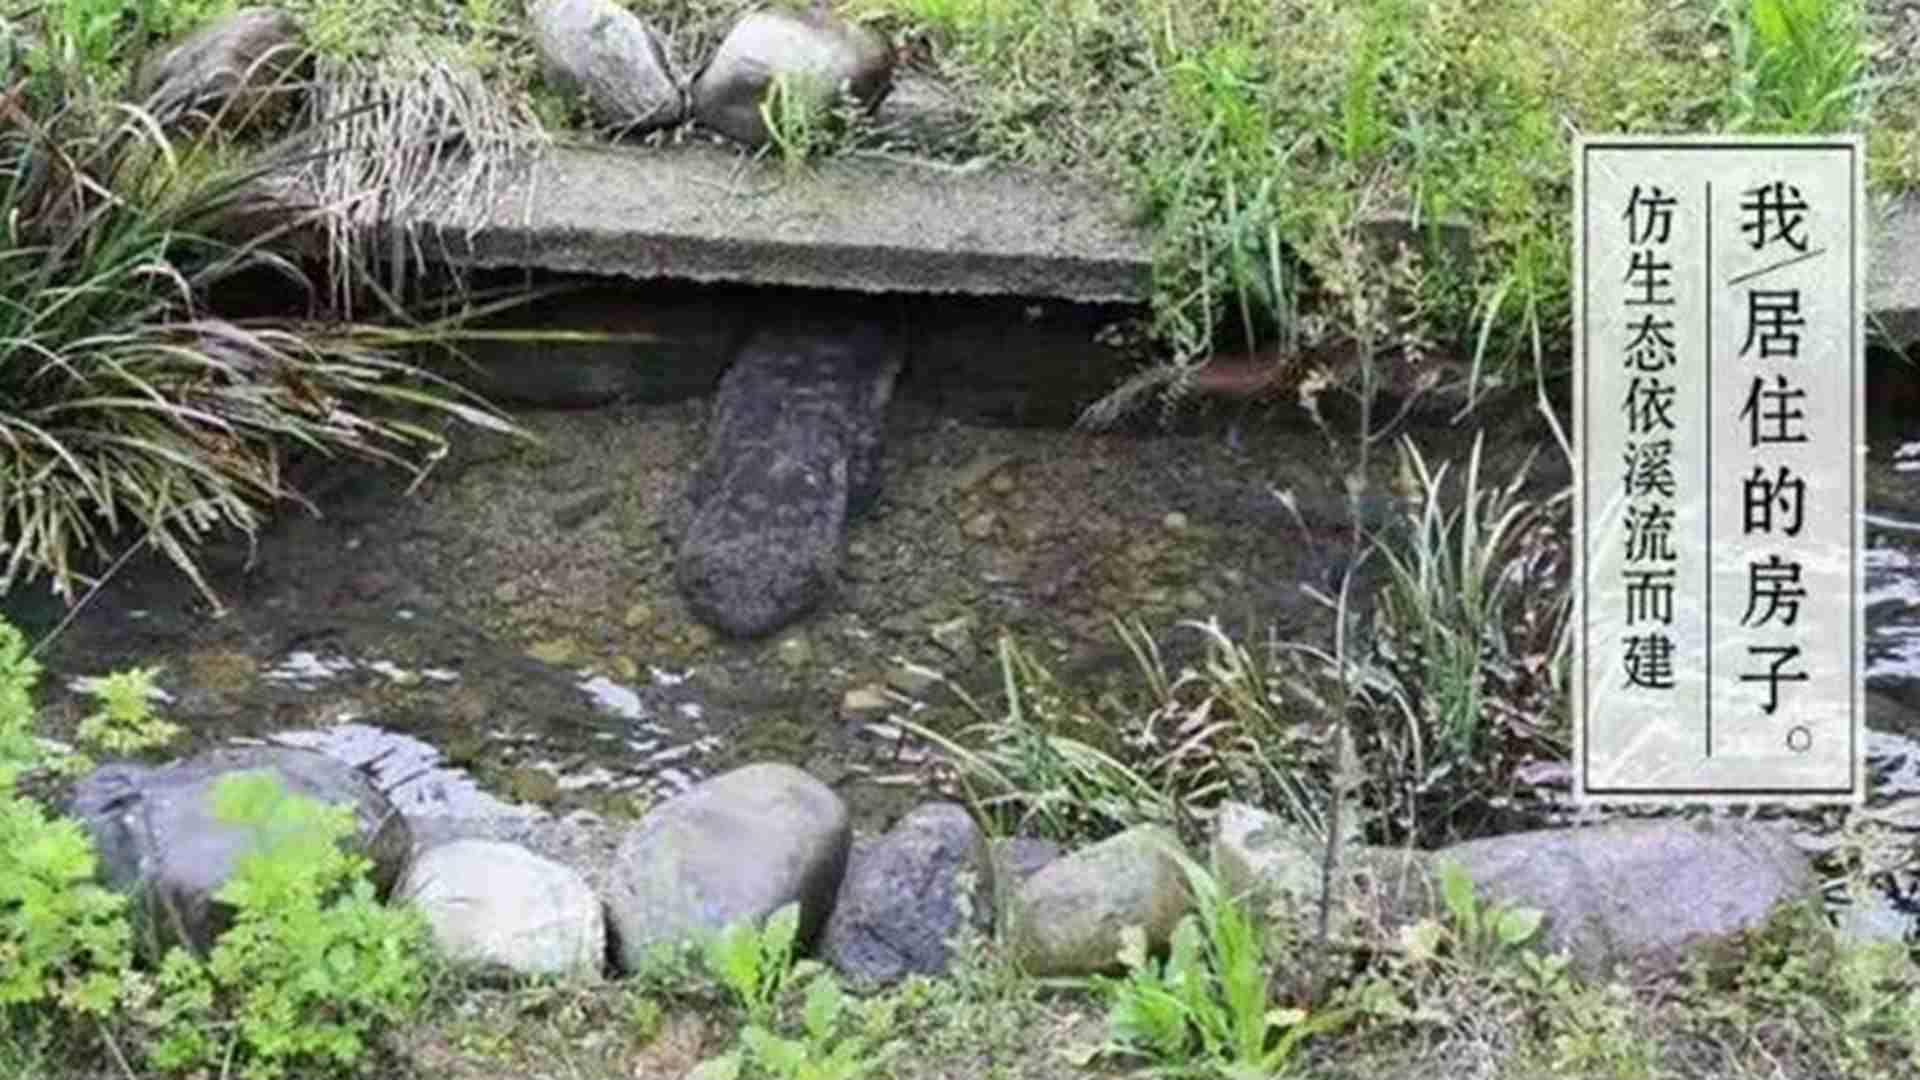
(313, 967)
(756, 963)
(1207, 1008)
(132, 413)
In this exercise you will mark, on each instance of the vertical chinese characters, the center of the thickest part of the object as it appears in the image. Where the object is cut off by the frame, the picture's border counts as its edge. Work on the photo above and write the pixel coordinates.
(1773, 420)
(1649, 573)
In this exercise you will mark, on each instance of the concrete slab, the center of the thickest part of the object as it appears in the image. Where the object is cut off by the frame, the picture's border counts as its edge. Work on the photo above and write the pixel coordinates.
(864, 224)
(704, 214)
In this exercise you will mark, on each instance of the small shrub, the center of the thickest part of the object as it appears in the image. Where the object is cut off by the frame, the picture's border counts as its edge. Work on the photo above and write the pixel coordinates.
(125, 722)
(828, 1047)
(313, 964)
(19, 673)
(755, 963)
(65, 941)
(757, 966)
(1802, 991)
(1475, 935)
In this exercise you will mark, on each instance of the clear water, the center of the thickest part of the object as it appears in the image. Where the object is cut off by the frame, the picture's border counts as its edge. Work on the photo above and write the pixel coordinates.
(663, 746)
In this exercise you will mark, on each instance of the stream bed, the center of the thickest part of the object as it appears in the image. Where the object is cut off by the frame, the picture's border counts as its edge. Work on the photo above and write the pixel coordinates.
(507, 633)
(504, 638)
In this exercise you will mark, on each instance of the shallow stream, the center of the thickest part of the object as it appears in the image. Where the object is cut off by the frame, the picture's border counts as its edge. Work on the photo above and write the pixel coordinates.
(505, 638)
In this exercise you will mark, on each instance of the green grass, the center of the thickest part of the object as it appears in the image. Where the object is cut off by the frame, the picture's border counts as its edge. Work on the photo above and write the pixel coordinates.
(132, 413)
(1250, 130)
(1250, 134)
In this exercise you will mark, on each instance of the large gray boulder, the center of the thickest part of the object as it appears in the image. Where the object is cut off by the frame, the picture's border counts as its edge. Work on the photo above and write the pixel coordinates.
(824, 56)
(1640, 893)
(737, 847)
(900, 901)
(238, 69)
(1067, 919)
(792, 452)
(498, 905)
(160, 841)
(611, 56)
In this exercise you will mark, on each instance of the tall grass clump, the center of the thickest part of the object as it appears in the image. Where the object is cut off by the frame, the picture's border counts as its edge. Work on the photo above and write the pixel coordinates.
(1800, 66)
(1050, 764)
(418, 128)
(1458, 680)
(132, 412)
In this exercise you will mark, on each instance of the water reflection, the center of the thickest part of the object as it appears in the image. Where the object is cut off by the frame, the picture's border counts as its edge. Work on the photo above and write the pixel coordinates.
(652, 746)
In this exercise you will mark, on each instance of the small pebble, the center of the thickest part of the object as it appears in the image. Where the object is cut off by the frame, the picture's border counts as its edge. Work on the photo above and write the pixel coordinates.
(795, 652)
(864, 703)
(1175, 521)
(556, 651)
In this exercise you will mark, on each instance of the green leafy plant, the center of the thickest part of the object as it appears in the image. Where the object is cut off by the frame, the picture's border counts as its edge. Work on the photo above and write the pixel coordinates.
(19, 673)
(131, 412)
(91, 28)
(1362, 129)
(1207, 1007)
(1478, 935)
(313, 963)
(1857, 1002)
(1462, 680)
(825, 1049)
(757, 966)
(756, 962)
(1800, 66)
(1591, 1032)
(65, 940)
(1039, 767)
(125, 722)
